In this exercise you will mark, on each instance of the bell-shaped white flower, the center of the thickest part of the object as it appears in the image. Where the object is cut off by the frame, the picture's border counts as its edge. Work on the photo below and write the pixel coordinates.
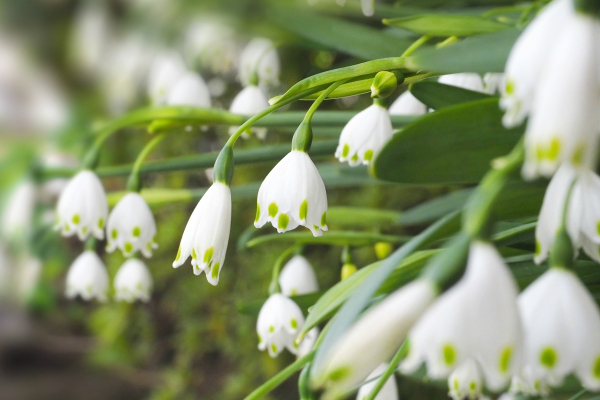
(308, 342)
(250, 101)
(87, 278)
(466, 381)
(189, 90)
(561, 323)
(89, 36)
(389, 391)
(17, 216)
(364, 136)
(526, 383)
(279, 323)
(367, 7)
(478, 318)
(492, 82)
(407, 104)
(259, 57)
(166, 69)
(374, 338)
(133, 282)
(82, 207)
(293, 194)
(298, 277)
(131, 226)
(212, 43)
(463, 80)
(206, 234)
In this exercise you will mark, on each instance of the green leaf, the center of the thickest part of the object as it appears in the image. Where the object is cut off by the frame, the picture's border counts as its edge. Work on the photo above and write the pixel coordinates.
(447, 25)
(435, 208)
(452, 145)
(359, 216)
(252, 308)
(331, 238)
(438, 95)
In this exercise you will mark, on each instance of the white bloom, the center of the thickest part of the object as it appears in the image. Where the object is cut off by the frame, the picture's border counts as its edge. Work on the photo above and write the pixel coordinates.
(165, 71)
(17, 216)
(89, 36)
(189, 90)
(492, 82)
(375, 337)
(87, 278)
(206, 234)
(389, 391)
(477, 318)
(466, 381)
(407, 104)
(250, 101)
(293, 194)
(259, 57)
(561, 323)
(131, 226)
(526, 383)
(364, 136)
(279, 322)
(463, 80)
(213, 44)
(27, 272)
(82, 207)
(133, 281)
(308, 342)
(368, 7)
(298, 277)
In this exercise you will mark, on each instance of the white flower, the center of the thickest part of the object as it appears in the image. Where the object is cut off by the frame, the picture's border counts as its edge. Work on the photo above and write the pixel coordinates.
(17, 216)
(213, 44)
(27, 272)
(279, 323)
(133, 281)
(293, 194)
(250, 101)
(87, 278)
(82, 207)
(374, 338)
(298, 277)
(364, 136)
(477, 318)
(166, 69)
(389, 391)
(561, 323)
(466, 381)
(526, 383)
(368, 7)
(206, 234)
(189, 90)
(259, 57)
(492, 82)
(89, 37)
(407, 104)
(464, 80)
(308, 342)
(131, 226)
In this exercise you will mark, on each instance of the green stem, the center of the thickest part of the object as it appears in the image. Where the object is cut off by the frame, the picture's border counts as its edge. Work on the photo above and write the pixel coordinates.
(315, 105)
(274, 285)
(578, 395)
(134, 183)
(418, 43)
(391, 368)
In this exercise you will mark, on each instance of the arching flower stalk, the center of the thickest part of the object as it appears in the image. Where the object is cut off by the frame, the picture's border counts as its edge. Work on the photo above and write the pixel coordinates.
(251, 100)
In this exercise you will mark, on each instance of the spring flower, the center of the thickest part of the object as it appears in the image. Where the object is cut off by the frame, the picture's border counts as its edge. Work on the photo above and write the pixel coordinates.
(87, 278)
(407, 104)
(250, 101)
(293, 194)
(206, 234)
(259, 57)
(308, 342)
(466, 381)
(374, 338)
(17, 216)
(211, 43)
(561, 323)
(131, 226)
(298, 277)
(364, 136)
(89, 37)
(492, 82)
(526, 383)
(189, 90)
(133, 281)
(464, 80)
(477, 318)
(279, 323)
(389, 391)
(368, 7)
(166, 69)
(82, 207)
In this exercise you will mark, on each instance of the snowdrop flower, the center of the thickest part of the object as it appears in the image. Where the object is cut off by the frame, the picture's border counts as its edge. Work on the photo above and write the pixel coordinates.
(87, 278)
(466, 381)
(133, 281)
(165, 72)
(464, 80)
(89, 37)
(279, 323)
(477, 318)
(206, 234)
(526, 383)
(82, 207)
(189, 90)
(407, 104)
(389, 391)
(131, 226)
(293, 194)
(364, 136)
(17, 215)
(492, 82)
(561, 322)
(368, 7)
(298, 277)
(250, 101)
(308, 342)
(213, 44)
(374, 338)
(259, 57)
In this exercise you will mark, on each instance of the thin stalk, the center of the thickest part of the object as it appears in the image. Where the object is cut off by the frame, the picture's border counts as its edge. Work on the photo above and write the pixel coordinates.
(134, 183)
(391, 368)
(274, 285)
(418, 43)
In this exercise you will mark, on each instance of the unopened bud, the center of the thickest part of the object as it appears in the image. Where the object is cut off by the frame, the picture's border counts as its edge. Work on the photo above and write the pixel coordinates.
(383, 85)
(348, 270)
(383, 250)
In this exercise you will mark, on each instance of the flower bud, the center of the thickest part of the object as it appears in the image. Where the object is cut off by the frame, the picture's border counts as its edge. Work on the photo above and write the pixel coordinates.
(383, 250)
(348, 270)
(383, 85)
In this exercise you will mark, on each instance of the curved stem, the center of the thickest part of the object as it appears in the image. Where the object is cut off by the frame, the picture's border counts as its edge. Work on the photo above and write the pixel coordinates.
(393, 365)
(274, 285)
(418, 43)
(134, 183)
(315, 105)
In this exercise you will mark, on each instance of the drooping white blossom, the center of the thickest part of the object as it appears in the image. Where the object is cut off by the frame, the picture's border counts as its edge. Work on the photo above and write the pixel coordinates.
(389, 391)
(87, 278)
(166, 69)
(298, 277)
(468, 81)
(212, 43)
(364, 136)
(279, 322)
(189, 90)
(206, 234)
(17, 213)
(308, 342)
(131, 227)
(492, 82)
(466, 382)
(133, 282)
(89, 37)
(293, 194)
(407, 104)
(477, 318)
(259, 57)
(526, 383)
(250, 101)
(82, 207)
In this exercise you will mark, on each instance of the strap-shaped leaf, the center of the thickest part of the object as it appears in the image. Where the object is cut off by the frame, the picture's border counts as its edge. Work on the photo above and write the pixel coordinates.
(437, 95)
(447, 25)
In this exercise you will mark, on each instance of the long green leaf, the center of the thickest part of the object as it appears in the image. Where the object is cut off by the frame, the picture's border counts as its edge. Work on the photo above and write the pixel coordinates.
(360, 216)
(438, 95)
(447, 25)
(332, 238)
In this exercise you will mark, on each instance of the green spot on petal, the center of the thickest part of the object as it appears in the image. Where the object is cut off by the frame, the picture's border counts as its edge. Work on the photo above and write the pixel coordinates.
(304, 209)
(215, 271)
(456, 384)
(510, 87)
(271, 329)
(354, 157)
(368, 155)
(84, 230)
(473, 386)
(449, 354)
(294, 324)
(274, 348)
(339, 374)
(128, 247)
(194, 255)
(505, 359)
(273, 209)
(257, 212)
(345, 151)
(324, 219)
(178, 253)
(259, 339)
(76, 219)
(101, 223)
(114, 233)
(137, 231)
(538, 247)
(578, 154)
(548, 357)
(596, 370)
(208, 254)
(283, 222)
